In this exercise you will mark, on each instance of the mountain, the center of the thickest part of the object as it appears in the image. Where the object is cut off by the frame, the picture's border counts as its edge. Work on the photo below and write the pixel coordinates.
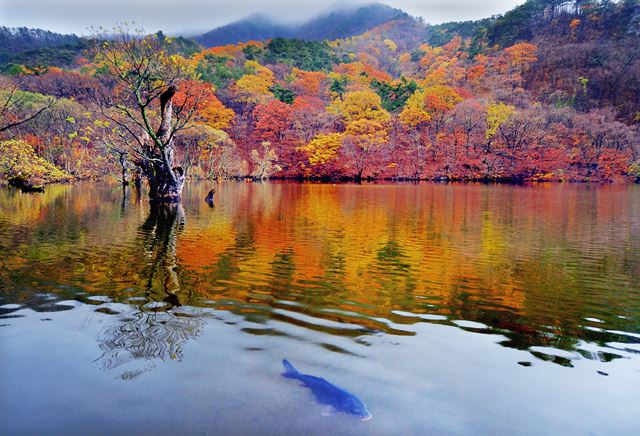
(34, 48)
(255, 27)
(340, 24)
(16, 40)
(587, 54)
(335, 24)
(37, 47)
(538, 19)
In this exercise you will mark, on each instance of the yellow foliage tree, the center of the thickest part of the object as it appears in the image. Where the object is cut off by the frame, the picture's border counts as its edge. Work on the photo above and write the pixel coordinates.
(414, 113)
(254, 86)
(366, 126)
(497, 114)
(20, 165)
(390, 44)
(367, 133)
(428, 103)
(358, 105)
(323, 148)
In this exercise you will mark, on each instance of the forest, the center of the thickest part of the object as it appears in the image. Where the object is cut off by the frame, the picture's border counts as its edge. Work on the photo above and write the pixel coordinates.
(549, 91)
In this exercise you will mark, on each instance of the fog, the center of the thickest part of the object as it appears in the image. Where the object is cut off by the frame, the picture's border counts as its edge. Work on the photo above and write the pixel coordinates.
(195, 16)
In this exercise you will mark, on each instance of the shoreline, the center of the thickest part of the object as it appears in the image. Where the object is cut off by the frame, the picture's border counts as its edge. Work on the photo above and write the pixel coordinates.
(341, 181)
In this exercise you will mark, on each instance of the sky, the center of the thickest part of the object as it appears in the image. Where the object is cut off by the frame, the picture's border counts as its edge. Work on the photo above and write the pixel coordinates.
(196, 16)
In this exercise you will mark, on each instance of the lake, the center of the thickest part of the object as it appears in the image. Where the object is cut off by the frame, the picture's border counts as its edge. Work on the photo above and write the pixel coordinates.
(446, 308)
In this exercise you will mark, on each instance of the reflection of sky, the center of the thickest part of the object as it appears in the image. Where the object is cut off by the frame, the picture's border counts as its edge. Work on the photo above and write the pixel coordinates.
(444, 379)
(75, 16)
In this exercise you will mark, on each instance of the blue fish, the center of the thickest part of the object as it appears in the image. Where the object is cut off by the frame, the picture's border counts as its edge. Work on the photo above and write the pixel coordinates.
(335, 399)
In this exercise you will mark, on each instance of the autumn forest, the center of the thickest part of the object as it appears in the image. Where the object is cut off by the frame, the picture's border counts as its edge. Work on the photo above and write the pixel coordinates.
(549, 91)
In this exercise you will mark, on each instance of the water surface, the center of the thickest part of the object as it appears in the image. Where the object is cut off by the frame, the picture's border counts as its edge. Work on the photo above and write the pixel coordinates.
(448, 309)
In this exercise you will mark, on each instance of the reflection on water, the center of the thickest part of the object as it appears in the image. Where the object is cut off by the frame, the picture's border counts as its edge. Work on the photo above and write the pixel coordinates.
(152, 330)
(158, 236)
(544, 266)
(552, 270)
(146, 336)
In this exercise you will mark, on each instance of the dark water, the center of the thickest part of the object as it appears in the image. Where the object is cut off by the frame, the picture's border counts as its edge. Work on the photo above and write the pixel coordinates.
(462, 309)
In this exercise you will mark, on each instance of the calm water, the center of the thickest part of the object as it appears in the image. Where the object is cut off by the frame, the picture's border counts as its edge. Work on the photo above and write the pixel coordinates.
(448, 309)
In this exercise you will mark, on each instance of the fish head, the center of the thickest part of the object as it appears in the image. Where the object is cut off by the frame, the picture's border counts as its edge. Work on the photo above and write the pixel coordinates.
(357, 408)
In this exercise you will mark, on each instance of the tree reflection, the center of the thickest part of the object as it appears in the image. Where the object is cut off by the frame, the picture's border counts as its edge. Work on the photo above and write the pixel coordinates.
(154, 329)
(146, 336)
(549, 276)
(159, 234)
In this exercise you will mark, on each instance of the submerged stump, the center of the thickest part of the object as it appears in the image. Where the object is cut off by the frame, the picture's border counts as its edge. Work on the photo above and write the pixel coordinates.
(209, 197)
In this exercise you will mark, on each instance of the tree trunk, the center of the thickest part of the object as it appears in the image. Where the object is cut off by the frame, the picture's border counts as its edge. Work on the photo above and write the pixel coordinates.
(165, 183)
(165, 180)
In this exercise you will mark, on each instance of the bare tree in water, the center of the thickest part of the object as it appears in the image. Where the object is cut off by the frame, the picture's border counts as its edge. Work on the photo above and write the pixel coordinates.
(147, 94)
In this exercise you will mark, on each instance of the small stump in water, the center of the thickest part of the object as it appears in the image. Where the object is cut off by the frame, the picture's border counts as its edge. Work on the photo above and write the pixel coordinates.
(209, 197)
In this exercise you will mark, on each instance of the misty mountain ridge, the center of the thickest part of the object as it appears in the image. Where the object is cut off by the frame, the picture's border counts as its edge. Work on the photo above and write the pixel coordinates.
(338, 23)
(18, 39)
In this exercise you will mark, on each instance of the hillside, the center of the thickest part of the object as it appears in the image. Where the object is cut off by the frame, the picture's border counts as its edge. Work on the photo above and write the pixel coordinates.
(16, 40)
(333, 25)
(597, 43)
(37, 47)
(546, 92)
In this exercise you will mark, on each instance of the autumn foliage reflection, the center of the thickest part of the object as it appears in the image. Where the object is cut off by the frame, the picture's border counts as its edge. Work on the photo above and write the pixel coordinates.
(375, 250)
(528, 262)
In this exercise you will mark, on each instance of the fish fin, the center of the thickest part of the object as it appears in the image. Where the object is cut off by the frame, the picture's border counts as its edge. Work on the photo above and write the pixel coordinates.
(329, 411)
(289, 369)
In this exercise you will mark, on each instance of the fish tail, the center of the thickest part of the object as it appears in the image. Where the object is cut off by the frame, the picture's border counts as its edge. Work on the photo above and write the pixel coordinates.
(289, 369)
